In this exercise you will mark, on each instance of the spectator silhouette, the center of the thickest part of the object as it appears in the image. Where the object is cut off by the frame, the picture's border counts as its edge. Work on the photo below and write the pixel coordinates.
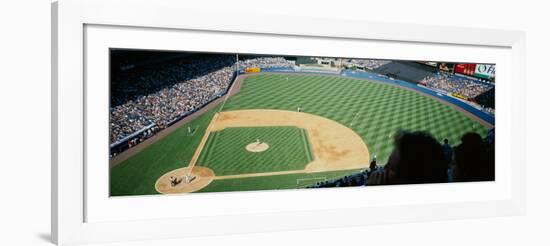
(416, 158)
(447, 150)
(372, 167)
(473, 160)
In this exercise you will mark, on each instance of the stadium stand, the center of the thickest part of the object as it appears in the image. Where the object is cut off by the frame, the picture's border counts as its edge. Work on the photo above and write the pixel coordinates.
(408, 71)
(463, 86)
(150, 97)
(123, 60)
(486, 99)
(369, 64)
(160, 95)
(266, 62)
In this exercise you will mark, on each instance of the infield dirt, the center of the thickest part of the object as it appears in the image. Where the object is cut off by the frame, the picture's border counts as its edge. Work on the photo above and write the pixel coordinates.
(335, 146)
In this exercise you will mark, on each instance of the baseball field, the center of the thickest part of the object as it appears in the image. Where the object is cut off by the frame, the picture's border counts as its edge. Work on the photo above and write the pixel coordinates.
(281, 131)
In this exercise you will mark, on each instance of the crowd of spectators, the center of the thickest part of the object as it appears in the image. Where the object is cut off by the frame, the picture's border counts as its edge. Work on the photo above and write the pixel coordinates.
(418, 158)
(488, 110)
(463, 86)
(131, 84)
(166, 92)
(266, 62)
(159, 96)
(369, 64)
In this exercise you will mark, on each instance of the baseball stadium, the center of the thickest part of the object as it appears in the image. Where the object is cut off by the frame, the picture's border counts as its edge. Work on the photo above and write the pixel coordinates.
(184, 122)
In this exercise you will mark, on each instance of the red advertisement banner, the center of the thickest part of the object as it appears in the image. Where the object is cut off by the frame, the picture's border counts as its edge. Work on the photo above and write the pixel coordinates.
(465, 68)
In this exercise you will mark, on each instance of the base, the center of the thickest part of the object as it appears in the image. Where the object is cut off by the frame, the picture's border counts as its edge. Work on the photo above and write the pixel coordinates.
(199, 178)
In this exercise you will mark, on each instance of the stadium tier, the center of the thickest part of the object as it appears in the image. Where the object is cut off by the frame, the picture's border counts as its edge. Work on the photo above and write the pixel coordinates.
(408, 71)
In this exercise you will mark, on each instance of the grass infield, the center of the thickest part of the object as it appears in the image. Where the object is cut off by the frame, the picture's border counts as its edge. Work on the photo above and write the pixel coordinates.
(225, 151)
(375, 111)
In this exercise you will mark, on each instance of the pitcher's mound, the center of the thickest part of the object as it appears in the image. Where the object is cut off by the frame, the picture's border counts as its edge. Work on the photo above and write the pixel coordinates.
(200, 178)
(257, 147)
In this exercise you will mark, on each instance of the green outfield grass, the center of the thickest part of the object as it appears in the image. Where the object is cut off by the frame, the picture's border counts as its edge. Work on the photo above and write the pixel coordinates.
(225, 151)
(286, 181)
(375, 111)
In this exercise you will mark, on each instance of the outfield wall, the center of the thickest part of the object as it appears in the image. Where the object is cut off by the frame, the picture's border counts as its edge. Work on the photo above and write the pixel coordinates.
(381, 78)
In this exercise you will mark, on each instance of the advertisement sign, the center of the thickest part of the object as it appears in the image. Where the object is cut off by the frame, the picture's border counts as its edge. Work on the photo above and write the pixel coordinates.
(252, 70)
(459, 96)
(486, 71)
(465, 68)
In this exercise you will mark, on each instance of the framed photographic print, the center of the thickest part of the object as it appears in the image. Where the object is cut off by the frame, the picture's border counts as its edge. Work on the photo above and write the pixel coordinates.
(168, 125)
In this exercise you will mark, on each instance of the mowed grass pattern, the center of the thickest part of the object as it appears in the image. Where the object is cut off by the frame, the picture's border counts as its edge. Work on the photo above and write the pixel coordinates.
(225, 150)
(285, 181)
(373, 110)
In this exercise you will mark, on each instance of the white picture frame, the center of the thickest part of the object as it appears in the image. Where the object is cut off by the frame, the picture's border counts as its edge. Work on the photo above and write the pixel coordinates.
(78, 217)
